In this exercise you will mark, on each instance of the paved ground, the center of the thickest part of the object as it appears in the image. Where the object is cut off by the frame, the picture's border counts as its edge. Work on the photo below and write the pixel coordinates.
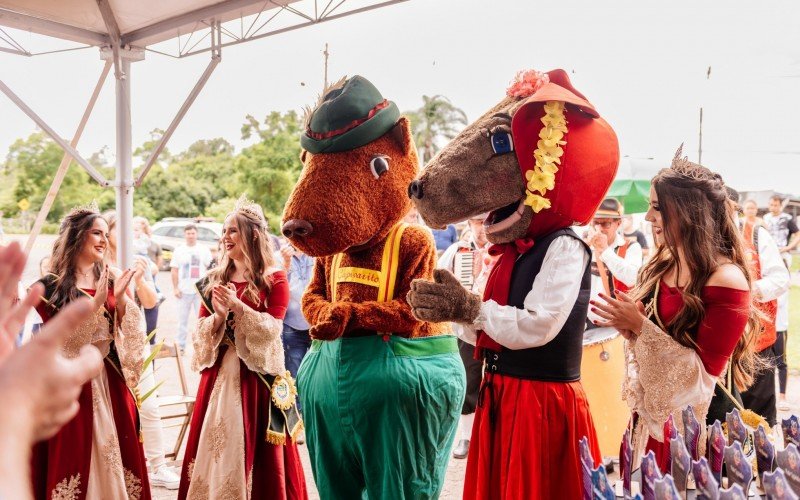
(166, 370)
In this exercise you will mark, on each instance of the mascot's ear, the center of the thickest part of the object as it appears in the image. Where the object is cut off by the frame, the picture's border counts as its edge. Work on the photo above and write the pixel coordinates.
(401, 133)
(303, 156)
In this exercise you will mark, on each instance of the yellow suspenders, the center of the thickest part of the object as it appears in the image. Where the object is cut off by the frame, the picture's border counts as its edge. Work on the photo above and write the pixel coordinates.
(384, 280)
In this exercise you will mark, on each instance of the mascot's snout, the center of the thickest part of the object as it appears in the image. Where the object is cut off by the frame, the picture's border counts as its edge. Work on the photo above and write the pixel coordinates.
(415, 190)
(296, 228)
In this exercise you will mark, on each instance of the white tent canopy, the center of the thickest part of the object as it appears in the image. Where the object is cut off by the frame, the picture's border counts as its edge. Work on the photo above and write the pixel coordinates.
(140, 22)
(124, 30)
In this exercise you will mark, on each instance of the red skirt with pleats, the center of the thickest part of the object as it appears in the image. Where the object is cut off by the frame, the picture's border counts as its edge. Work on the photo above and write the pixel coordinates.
(525, 440)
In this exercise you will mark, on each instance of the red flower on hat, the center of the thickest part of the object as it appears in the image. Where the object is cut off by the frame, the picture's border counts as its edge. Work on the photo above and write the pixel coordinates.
(526, 83)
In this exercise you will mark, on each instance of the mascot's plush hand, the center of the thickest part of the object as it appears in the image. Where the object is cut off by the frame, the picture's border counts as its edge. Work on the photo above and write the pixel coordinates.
(332, 323)
(444, 299)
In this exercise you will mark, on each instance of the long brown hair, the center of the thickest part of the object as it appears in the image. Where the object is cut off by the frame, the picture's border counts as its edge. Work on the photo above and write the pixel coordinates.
(257, 249)
(68, 245)
(698, 224)
(111, 254)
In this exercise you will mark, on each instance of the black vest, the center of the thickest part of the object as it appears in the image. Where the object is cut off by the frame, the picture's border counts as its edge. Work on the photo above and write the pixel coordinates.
(560, 359)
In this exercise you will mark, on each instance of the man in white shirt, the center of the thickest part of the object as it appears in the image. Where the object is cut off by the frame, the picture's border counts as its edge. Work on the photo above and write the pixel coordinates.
(785, 232)
(189, 265)
(770, 280)
(615, 260)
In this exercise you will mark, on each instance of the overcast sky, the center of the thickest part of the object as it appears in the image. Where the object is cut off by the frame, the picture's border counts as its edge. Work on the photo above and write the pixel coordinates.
(643, 67)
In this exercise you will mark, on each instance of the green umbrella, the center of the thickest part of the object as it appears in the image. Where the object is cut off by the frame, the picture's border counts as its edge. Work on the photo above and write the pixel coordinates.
(633, 193)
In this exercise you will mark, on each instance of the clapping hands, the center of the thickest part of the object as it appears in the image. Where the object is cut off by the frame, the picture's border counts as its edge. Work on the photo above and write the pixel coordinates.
(622, 313)
(224, 299)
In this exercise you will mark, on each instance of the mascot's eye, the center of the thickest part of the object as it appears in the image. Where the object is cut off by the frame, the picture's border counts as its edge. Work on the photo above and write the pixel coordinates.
(501, 142)
(379, 166)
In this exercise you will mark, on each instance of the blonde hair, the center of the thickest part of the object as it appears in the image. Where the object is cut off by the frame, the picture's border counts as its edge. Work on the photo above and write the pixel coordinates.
(256, 243)
(145, 224)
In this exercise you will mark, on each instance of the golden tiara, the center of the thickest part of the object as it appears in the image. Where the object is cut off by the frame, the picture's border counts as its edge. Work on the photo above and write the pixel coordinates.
(243, 204)
(681, 165)
(694, 171)
(90, 207)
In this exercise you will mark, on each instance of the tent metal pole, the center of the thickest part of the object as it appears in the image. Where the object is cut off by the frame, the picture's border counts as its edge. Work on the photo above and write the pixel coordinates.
(124, 179)
(47, 204)
(93, 173)
(216, 57)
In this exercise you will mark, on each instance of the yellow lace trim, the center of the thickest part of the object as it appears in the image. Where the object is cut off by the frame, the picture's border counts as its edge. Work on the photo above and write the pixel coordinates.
(548, 155)
(133, 485)
(198, 489)
(67, 489)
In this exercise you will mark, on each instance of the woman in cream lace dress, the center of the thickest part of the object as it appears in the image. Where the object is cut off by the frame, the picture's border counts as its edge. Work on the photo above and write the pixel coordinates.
(690, 320)
(240, 445)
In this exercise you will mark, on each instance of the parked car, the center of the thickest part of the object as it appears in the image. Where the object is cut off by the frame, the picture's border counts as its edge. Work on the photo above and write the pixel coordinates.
(168, 233)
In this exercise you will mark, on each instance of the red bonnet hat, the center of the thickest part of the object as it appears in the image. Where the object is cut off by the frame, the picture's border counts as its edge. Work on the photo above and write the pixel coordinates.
(567, 153)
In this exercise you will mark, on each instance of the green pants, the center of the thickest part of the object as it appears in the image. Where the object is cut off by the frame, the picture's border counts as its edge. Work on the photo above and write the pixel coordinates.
(380, 415)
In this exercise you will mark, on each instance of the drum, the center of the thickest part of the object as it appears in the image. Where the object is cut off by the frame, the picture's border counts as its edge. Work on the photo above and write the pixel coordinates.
(602, 373)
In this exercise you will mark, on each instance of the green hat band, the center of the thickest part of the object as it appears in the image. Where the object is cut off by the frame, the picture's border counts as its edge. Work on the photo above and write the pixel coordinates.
(350, 126)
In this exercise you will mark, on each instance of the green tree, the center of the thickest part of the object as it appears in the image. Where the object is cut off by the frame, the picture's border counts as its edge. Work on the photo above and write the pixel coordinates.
(270, 167)
(143, 152)
(172, 195)
(437, 121)
(30, 166)
(189, 182)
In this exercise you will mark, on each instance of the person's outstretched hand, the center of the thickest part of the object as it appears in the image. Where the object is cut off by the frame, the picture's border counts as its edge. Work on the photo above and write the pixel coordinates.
(12, 263)
(39, 387)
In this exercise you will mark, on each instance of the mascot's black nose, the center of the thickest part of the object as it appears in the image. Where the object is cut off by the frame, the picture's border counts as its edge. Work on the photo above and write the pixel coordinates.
(296, 228)
(415, 190)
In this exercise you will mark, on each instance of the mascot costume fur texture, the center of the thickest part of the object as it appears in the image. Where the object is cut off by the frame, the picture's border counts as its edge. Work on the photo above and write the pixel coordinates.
(381, 391)
(540, 161)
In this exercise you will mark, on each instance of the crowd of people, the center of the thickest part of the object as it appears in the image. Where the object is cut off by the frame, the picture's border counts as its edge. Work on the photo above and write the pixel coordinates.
(369, 325)
(640, 295)
(700, 277)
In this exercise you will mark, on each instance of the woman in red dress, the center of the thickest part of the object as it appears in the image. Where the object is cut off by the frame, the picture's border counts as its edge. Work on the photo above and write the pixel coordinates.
(241, 442)
(97, 455)
(690, 320)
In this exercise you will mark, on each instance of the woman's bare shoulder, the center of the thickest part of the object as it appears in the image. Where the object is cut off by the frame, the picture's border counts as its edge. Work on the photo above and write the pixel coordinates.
(728, 275)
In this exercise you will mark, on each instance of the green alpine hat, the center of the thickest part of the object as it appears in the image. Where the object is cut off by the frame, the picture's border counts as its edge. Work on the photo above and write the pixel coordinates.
(349, 117)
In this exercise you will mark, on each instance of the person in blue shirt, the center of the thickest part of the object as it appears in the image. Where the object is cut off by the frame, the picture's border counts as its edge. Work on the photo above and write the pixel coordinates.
(296, 341)
(445, 237)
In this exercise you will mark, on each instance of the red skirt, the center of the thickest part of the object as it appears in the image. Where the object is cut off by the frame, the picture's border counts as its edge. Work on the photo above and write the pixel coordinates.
(525, 440)
(277, 470)
(661, 450)
(68, 454)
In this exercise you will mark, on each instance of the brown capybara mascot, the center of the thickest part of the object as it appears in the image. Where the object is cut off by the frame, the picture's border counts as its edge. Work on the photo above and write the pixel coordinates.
(540, 161)
(380, 390)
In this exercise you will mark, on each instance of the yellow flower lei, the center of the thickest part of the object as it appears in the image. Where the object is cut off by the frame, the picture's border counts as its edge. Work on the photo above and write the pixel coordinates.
(548, 155)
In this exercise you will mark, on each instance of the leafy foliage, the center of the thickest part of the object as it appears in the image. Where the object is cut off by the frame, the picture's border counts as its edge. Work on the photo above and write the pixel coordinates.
(437, 121)
(30, 167)
(205, 179)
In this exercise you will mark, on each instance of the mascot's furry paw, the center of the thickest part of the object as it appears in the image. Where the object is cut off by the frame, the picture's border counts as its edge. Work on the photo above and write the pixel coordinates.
(332, 323)
(444, 299)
